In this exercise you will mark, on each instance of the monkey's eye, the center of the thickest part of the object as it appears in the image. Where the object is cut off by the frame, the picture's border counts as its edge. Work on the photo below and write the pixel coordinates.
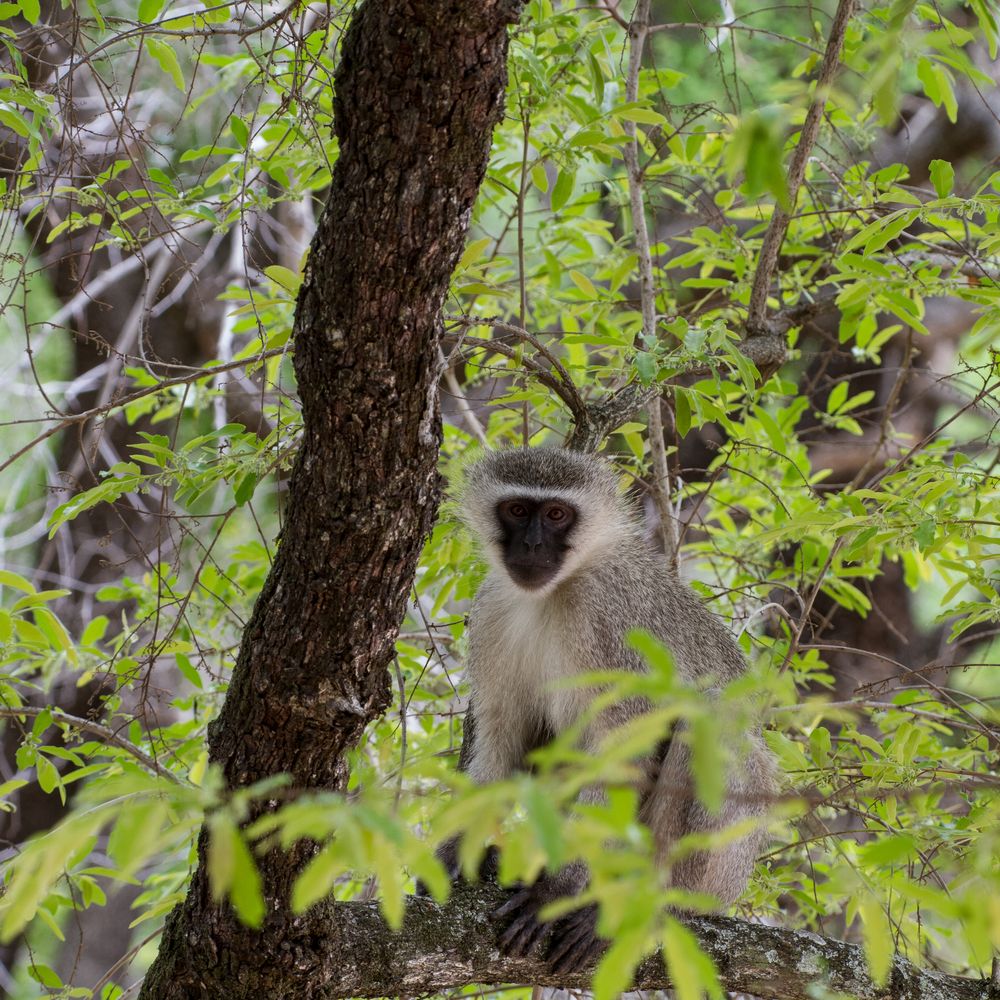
(557, 514)
(517, 510)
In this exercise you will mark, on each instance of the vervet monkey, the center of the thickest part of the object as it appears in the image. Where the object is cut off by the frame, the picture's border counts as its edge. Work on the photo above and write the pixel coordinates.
(570, 573)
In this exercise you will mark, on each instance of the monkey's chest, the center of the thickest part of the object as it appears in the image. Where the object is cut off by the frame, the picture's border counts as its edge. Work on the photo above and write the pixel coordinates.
(541, 661)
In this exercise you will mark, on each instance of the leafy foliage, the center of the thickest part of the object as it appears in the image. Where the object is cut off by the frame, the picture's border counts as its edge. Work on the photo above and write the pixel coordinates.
(888, 828)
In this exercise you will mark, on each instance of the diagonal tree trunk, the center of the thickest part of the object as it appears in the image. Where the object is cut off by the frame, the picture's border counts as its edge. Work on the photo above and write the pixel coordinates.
(419, 89)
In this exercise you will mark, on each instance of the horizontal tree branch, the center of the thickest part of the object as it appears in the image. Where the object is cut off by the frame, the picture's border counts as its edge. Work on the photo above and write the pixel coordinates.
(346, 950)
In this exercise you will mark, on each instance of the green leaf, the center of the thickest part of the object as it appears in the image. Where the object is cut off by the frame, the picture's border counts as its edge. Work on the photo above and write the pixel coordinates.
(233, 872)
(771, 429)
(708, 762)
(43, 861)
(836, 398)
(614, 974)
(188, 671)
(583, 283)
(563, 189)
(167, 60)
(924, 533)
(894, 849)
(790, 753)
(937, 84)
(877, 936)
(247, 891)
(244, 488)
(9, 579)
(682, 411)
(31, 9)
(240, 130)
(597, 75)
(540, 177)
(54, 631)
(94, 631)
(646, 367)
(389, 872)
(149, 10)
(640, 115)
(942, 177)
(135, 834)
(926, 75)
(653, 652)
(16, 122)
(44, 975)
(284, 277)
(48, 775)
(756, 149)
(877, 234)
(220, 855)
(317, 878)
(545, 822)
(426, 867)
(820, 744)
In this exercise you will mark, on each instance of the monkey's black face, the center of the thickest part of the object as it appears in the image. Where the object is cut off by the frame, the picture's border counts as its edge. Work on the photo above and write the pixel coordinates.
(535, 538)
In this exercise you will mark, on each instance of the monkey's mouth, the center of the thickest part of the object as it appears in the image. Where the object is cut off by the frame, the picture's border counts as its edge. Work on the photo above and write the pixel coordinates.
(532, 575)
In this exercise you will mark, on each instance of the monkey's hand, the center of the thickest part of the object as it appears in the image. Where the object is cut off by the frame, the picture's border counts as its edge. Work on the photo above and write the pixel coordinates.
(524, 930)
(575, 944)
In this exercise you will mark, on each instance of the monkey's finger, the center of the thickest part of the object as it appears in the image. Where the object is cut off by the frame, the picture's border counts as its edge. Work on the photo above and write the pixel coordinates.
(529, 940)
(576, 956)
(562, 957)
(576, 941)
(514, 904)
(521, 936)
(581, 958)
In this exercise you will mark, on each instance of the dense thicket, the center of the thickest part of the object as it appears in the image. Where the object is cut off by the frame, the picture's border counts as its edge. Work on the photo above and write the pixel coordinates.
(749, 252)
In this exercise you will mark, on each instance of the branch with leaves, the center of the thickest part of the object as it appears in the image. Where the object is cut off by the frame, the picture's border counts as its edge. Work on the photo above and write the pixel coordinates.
(349, 951)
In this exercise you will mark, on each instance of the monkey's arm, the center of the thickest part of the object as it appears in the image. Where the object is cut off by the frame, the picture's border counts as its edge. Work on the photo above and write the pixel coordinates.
(448, 852)
(673, 811)
(493, 748)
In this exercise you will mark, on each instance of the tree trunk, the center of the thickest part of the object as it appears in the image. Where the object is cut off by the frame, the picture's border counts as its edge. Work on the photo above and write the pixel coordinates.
(419, 89)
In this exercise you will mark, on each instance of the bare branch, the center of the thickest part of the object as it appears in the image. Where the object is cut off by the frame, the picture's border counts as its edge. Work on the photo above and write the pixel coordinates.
(660, 485)
(468, 414)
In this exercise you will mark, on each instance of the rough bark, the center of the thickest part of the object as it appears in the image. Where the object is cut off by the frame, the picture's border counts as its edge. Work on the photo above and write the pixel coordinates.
(419, 88)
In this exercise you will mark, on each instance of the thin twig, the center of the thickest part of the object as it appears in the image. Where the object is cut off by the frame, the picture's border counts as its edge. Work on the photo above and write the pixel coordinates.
(95, 729)
(539, 371)
(461, 401)
(562, 383)
(660, 486)
(522, 278)
(401, 684)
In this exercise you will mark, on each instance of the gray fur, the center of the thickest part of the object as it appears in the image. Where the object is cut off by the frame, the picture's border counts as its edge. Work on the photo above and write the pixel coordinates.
(521, 642)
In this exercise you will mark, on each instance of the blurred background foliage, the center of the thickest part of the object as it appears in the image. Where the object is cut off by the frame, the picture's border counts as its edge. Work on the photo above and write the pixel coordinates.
(161, 170)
